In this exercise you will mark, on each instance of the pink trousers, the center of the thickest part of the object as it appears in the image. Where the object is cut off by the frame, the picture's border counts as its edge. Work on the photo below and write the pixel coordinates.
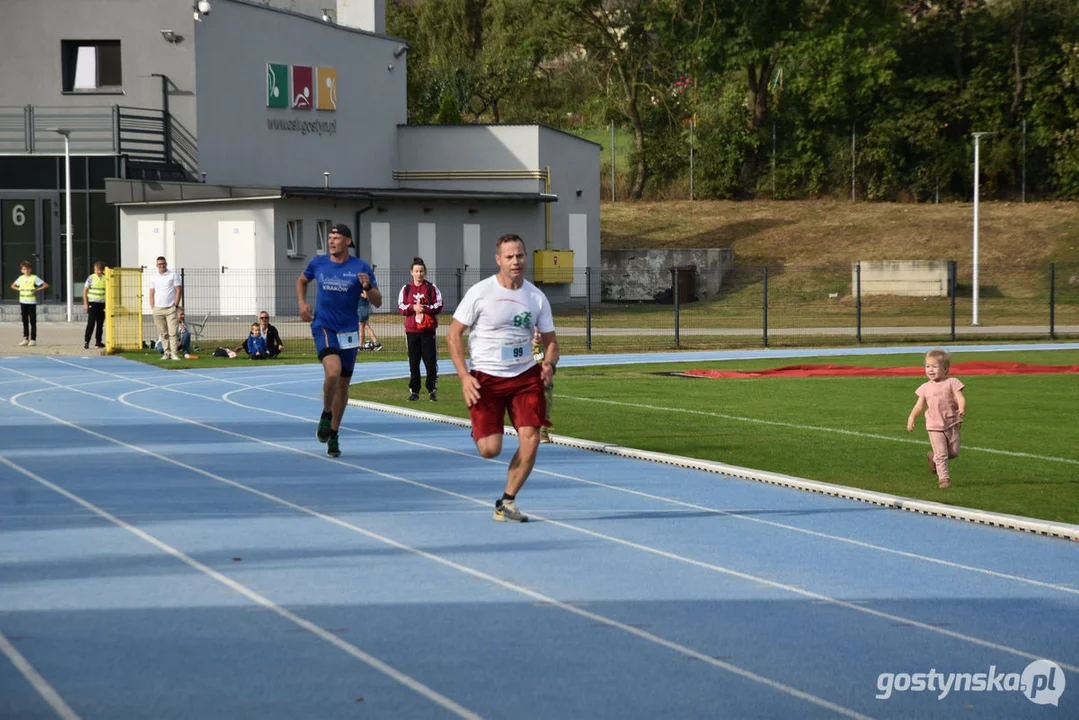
(945, 447)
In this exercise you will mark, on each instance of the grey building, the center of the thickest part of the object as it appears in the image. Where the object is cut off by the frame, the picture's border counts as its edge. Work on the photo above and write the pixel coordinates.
(231, 140)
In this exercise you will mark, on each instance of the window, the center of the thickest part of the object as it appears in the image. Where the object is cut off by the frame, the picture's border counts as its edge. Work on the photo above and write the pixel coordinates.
(294, 243)
(322, 240)
(90, 65)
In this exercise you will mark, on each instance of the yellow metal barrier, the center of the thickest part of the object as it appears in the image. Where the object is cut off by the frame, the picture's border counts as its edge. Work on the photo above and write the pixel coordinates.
(123, 309)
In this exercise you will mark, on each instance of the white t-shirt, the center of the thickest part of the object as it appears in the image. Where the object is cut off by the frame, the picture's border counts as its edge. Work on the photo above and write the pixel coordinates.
(164, 286)
(501, 322)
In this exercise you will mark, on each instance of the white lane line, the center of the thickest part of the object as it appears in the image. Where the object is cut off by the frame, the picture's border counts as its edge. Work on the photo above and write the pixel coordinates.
(44, 689)
(60, 386)
(819, 597)
(527, 592)
(368, 659)
(680, 503)
(694, 506)
(815, 428)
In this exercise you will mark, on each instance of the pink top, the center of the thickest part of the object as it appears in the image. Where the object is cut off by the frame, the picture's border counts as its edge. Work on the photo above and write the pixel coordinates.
(941, 404)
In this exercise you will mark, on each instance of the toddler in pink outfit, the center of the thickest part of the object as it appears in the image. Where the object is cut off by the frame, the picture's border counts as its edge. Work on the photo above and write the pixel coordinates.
(945, 407)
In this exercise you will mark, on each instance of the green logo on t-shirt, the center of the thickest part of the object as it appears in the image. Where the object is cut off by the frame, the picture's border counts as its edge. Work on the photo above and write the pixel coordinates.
(523, 320)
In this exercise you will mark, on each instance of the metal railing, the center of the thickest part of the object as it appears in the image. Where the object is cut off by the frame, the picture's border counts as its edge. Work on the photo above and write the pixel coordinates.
(754, 307)
(142, 134)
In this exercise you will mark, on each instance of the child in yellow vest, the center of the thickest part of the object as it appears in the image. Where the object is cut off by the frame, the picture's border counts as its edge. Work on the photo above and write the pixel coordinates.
(29, 285)
(537, 355)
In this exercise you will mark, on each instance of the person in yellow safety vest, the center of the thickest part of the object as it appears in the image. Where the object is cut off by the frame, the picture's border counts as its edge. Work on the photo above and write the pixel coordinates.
(29, 285)
(93, 301)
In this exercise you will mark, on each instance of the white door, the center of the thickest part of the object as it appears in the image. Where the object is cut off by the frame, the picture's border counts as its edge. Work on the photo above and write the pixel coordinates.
(157, 238)
(426, 245)
(473, 262)
(380, 261)
(238, 284)
(578, 243)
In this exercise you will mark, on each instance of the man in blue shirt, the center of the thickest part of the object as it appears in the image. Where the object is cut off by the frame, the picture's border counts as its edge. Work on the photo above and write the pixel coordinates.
(341, 280)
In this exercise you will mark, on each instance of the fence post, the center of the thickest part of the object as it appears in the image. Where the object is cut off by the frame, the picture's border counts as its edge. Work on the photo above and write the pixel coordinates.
(765, 306)
(460, 285)
(858, 299)
(677, 338)
(183, 283)
(1052, 301)
(588, 308)
(951, 291)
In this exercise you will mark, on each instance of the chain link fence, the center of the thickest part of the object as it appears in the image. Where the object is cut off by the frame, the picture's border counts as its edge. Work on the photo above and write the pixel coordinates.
(753, 307)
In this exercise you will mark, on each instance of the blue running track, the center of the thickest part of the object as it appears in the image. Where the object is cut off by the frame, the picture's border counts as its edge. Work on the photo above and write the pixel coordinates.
(176, 544)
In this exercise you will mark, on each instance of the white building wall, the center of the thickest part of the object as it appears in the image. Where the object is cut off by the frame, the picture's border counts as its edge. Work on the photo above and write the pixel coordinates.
(196, 242)
(242, 140)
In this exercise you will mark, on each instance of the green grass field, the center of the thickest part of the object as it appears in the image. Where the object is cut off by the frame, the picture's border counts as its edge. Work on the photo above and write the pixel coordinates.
(1019, 456)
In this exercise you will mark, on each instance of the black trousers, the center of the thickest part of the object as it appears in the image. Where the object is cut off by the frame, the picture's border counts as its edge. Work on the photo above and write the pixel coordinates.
(422, 346)
(95, 317)
(29, 320)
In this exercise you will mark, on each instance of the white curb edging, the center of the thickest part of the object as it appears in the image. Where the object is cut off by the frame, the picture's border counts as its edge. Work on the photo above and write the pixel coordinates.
(925, 507)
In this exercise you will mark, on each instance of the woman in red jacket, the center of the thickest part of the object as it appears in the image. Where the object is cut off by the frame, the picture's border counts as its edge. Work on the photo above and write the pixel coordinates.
(421, 302)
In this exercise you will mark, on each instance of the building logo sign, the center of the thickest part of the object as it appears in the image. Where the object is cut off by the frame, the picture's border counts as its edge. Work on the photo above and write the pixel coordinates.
(301, 87)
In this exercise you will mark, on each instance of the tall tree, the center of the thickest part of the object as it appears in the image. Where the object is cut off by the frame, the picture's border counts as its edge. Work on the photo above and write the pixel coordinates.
(626, 45)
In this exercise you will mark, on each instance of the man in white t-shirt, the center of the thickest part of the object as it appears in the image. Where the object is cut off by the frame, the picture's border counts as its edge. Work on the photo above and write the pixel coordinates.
(166, 291)
(501, 314)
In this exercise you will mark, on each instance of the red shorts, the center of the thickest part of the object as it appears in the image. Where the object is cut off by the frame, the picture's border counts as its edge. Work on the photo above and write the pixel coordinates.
(522, 396)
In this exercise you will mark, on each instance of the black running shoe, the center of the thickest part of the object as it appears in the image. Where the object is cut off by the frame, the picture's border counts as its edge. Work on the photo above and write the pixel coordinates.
(333, 449)
(324, 429)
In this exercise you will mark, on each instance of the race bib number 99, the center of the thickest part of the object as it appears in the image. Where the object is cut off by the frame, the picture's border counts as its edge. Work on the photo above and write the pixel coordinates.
(514, 352)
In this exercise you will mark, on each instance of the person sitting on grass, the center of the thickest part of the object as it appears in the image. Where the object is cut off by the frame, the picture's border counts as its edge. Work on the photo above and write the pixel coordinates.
(256, 344)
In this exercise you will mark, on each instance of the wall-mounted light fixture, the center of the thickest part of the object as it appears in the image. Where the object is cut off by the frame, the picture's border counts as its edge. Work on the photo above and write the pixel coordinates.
(579, 191)
(200, 8)
(327, 15)
(472, 211)
(171, 36)
(325, 180)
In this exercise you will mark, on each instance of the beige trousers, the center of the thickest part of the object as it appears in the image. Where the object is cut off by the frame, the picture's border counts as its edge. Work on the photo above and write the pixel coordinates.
(167, 325)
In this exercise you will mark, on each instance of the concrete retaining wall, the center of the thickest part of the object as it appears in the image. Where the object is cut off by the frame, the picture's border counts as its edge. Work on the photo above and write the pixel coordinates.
(920, 278)
(642, 274)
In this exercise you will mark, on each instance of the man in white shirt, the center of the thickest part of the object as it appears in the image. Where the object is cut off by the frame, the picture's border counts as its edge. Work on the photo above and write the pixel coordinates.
(501, 314)
(166, 291)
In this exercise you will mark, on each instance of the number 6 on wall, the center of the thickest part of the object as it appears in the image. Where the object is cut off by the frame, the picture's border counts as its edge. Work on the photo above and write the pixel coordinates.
(18, 215)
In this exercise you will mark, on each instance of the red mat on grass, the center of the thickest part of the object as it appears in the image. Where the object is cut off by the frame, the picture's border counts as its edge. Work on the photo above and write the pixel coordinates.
(958, 369)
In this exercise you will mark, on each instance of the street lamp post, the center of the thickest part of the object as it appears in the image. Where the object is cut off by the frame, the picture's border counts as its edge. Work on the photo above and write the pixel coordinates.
(974, 296)
(67, 212)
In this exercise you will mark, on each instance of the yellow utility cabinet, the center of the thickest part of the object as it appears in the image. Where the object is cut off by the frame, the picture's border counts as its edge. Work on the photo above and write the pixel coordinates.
(553, 267)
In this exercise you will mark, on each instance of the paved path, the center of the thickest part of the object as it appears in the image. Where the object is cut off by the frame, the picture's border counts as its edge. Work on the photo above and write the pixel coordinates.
(53, 338)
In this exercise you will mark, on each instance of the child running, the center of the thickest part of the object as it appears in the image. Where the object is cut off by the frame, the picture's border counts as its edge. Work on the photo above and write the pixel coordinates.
(945, 408)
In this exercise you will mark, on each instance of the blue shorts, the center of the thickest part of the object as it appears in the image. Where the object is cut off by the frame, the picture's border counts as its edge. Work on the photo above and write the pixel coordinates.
(326, 344)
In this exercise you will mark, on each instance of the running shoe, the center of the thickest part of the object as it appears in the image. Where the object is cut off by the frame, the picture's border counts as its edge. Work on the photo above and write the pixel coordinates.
(506, 511)
(333, 449)
(324, 429)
